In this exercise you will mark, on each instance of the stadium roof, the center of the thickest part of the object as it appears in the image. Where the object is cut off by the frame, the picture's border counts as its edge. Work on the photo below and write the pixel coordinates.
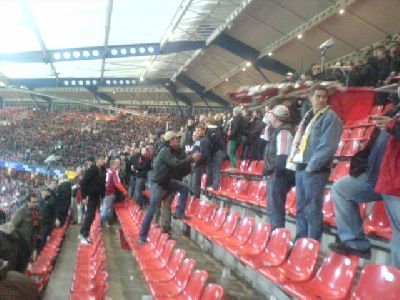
(192, 50)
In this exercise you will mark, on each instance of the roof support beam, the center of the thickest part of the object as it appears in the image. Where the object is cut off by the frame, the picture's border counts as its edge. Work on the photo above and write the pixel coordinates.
(171, 88)
(106, 36)
(45, 52)
(199, 90)
(98, 52)
(101, 95)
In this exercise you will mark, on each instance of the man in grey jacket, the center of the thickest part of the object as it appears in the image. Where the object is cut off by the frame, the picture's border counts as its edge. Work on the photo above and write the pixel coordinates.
(312, 152)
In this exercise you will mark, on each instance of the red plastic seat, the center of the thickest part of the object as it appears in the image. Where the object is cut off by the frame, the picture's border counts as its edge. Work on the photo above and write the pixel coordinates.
(176, 286)
(213, 292)
(377, 110)
(227, 229)
(193, 207)
(362, 133)
(300, 265)
(290, 205)
(216, 224)
(251, 168)
(203, 181)
(238, 163)
(377, 223)
(168, 273)
(194, 288)
(241, 234)
(240, 188)
(339, 149)
(225, 165)
(208, 217)
(162, 261)
(328, 209)
(378, 282)
(257, 193)
(256, 243)
(345, 134)
(146, 193)
(142, 253)
(243, 166)
(259, 168)
(332, 281)
(342, 169)
(202, 210)
(227, 187)
(274, 254)
(351, 147)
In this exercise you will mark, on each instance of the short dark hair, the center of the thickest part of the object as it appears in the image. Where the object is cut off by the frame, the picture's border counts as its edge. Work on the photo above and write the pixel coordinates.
(31, 194)
(318, 87)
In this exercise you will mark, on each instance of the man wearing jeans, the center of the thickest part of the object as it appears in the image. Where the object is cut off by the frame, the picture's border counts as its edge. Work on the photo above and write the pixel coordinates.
(313, 147)
(373, 176)
(113, 183)
(165, 164)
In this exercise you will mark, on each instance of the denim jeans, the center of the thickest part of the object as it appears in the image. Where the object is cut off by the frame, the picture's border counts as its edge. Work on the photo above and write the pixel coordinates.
(106, 210)
(232, 146)
(155, 198)
(348, 192)
(140, 185)
(131, 187)
(278, 188)
(309, 198)
(195, 182)
(214, 169)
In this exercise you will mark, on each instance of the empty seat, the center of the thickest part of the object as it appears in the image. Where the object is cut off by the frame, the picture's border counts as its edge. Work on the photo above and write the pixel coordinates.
(177, 285)
(351, 147)
(251, 168)
(162, 261)
(228, 228)
(300, 265)
(216, 223)
(377, 223)
(255, 244)
(240, 236)
(213, 292)
(332, 281)
(240, 188)
(259, 168)
(342, 169)
(378, 282)
(198, 216)
(274, 254)
(194, 288)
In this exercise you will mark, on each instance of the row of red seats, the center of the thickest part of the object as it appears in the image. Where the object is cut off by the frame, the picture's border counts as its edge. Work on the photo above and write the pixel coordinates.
(166, 270)
(293, 268)
(89, 280)
(41, 268)
(245, 167)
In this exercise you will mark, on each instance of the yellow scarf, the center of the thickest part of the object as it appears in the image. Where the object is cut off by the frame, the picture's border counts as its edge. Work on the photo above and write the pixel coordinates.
(304, 139)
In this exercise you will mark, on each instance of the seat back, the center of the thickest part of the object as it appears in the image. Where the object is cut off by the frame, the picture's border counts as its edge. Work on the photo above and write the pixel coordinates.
(184, 272)
(243, 166)
(378, 282)
(278, 247)
(196, 285)
(225, 165)
(335, 276)
(241, 186)
(167, 250)
(193, 208)
(243, 230)
(303, 258)
(201, 211)
(252, 167)
(176, 260)
(230, 224)
(219, 218)
(154, 235)
(213, 292)
(259, 168)
(209, 215)
(259, 237)
(161, 242)
(378, 215)
(327, 205)
(351, 147)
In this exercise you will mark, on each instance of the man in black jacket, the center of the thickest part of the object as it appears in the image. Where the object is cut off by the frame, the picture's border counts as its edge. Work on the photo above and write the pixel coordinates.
(93, 187)
(47, 207)
(143, 165)
(164, 165)
(64, 192)
(234, 135)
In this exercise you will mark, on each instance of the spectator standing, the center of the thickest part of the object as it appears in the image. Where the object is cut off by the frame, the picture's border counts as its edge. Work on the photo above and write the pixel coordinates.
(93, 188)
(187, 139)
(27, 223)
(143, 166)
(234, 135)
(113, 183)
(257, 146)
(312, 151)
(64, 194)
(275, 164)
(47, 206)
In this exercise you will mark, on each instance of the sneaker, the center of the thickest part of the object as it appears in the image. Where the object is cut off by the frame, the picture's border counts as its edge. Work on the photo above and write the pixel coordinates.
(141, 241)
(84, 240)
(178, 217)
(342, 248)
(210, 188)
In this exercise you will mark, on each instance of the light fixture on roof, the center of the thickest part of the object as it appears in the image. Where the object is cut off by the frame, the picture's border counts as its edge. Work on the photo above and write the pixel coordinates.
(113, 91)
(66, 82)
(73, 82)
(141, 78)
(114, 82)
(132, 50)
(299, 36)
(226, 79)
(86, 53)
(244, 69)
(57, 55)
(87, 82)
(341, 11)
(95, 53)
(76, 54)
(80, 82)
(150, 49)
(121, 82)
(127, 82)
(114, 51)
(94, 82)
(133, 81)
(248, 64)
(67, 55)
(269, 53)
(108, 82)
(142, 50)
(123, 51)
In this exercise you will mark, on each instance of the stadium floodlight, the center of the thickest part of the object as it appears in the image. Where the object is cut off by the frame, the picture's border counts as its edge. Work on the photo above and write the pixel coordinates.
(86, 53)
(57, 55)
(142, 50)
(123, 51)
(76, 54)
(114, 51)
(95, 53)
(323, 48)
(67, 55)
(132, 50)
(150, 49)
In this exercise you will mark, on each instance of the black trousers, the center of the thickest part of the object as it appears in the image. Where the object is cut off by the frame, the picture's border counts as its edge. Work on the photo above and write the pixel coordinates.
(46, 230)
(93, 204)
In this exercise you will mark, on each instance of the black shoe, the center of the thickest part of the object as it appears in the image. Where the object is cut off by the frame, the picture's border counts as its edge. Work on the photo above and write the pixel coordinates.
(342, 248)
(141, 241)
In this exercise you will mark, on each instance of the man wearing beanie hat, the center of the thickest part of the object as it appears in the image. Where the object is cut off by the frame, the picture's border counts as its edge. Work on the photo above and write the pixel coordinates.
(234, 135)
(277, 152)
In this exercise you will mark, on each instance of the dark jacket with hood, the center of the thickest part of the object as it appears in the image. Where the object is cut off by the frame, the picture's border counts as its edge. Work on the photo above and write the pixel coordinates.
(93, 182)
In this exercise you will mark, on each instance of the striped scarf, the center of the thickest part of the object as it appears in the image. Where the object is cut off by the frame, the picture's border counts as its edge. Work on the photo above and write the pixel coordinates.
(301, 138)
